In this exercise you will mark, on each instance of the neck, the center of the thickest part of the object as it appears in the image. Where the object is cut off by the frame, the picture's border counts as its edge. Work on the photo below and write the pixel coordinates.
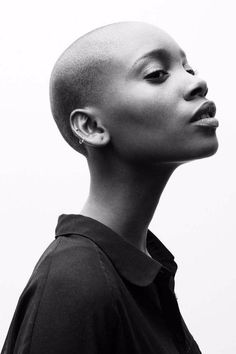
(124, 197)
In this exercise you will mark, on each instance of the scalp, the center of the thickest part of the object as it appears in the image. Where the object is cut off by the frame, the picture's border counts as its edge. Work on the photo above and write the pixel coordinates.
(79, 74)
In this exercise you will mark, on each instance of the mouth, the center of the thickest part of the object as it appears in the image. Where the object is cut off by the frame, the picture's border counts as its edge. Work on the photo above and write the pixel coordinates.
(205, 115)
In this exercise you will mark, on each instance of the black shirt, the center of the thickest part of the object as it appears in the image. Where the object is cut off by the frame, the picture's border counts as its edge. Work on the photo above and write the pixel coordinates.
(92, 292)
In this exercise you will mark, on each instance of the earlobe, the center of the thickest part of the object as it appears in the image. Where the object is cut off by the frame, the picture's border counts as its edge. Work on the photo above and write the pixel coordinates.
(87, 128)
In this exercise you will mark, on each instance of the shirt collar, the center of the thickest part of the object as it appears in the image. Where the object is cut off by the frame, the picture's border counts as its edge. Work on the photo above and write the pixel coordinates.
(129, 261)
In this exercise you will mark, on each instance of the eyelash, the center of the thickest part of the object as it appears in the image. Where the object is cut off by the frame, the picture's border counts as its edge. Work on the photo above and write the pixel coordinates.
(192, 72)
(153, 75)
(189, 70)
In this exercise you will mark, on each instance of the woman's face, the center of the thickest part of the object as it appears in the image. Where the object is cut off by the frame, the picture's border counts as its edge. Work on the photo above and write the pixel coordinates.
(150, 98)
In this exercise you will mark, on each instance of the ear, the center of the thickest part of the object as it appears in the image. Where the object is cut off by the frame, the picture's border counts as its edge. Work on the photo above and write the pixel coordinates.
(87, 127)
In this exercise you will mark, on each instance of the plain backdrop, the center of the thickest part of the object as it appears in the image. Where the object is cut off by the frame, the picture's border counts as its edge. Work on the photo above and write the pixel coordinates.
(43, 177)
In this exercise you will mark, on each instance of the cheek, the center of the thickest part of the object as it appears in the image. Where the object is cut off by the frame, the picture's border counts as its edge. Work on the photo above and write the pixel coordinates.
(141, 132)
(142, 122)
(139, 110)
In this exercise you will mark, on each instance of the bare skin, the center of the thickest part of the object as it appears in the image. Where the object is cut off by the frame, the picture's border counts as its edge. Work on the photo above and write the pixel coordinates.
(125, 199)
(142, 133)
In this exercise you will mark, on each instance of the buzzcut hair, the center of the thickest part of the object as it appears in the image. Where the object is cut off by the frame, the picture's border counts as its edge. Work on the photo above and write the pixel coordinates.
(77, 77)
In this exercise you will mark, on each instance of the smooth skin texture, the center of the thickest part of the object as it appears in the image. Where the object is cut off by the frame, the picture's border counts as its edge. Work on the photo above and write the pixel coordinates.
(139, 132)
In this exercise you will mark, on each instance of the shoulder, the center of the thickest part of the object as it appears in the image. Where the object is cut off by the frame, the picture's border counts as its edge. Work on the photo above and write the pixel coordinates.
(69, 293)
(74, 267)
(77, 294)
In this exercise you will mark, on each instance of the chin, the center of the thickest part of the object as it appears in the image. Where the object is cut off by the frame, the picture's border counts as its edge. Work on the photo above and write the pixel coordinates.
(200, 151)
(210, 150)
(206, 150)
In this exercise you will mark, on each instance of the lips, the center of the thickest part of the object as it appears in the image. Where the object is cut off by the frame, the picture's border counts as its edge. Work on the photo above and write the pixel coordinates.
(206, 111)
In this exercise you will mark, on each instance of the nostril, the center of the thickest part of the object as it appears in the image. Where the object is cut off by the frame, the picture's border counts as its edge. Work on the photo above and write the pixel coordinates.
(199, 91)
(196, 91)
(199, 88)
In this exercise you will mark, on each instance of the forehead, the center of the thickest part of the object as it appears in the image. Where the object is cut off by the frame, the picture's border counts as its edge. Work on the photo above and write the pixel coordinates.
(135, 41)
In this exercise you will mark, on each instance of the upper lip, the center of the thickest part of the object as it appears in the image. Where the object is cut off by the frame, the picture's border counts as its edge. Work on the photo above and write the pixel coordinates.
(208, 107)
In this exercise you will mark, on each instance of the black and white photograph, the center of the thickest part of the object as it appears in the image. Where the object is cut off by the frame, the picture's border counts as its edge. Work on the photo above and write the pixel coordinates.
(117, 177)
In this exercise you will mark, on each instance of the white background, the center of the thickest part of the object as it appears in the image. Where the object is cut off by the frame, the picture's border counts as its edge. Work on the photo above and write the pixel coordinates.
(43, 177)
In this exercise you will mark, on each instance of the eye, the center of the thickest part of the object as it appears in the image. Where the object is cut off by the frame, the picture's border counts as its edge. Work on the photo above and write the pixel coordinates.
(159, 75)
(190, 70)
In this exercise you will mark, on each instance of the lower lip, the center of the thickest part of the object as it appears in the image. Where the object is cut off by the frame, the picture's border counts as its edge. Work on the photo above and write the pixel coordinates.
(207, 122)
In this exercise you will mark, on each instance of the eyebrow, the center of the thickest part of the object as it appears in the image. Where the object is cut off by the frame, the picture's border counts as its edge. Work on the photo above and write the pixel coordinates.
(160, 53)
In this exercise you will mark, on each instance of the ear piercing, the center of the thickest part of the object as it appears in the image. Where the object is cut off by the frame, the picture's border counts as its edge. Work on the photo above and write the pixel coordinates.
(81, 140)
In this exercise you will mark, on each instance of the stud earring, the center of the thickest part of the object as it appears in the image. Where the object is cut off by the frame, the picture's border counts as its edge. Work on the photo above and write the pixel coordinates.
(81, 140)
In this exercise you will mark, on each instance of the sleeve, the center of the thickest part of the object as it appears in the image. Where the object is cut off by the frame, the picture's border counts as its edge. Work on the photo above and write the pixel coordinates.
(70, 311)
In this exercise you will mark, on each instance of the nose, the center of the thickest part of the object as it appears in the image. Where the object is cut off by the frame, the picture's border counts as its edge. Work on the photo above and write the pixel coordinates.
(197, 88)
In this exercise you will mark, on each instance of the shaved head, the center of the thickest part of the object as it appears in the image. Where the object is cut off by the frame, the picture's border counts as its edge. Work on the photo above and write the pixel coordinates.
(129, 89)
(80, 74)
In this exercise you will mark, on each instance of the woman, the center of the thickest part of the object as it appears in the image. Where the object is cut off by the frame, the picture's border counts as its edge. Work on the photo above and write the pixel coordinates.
(125, 97)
